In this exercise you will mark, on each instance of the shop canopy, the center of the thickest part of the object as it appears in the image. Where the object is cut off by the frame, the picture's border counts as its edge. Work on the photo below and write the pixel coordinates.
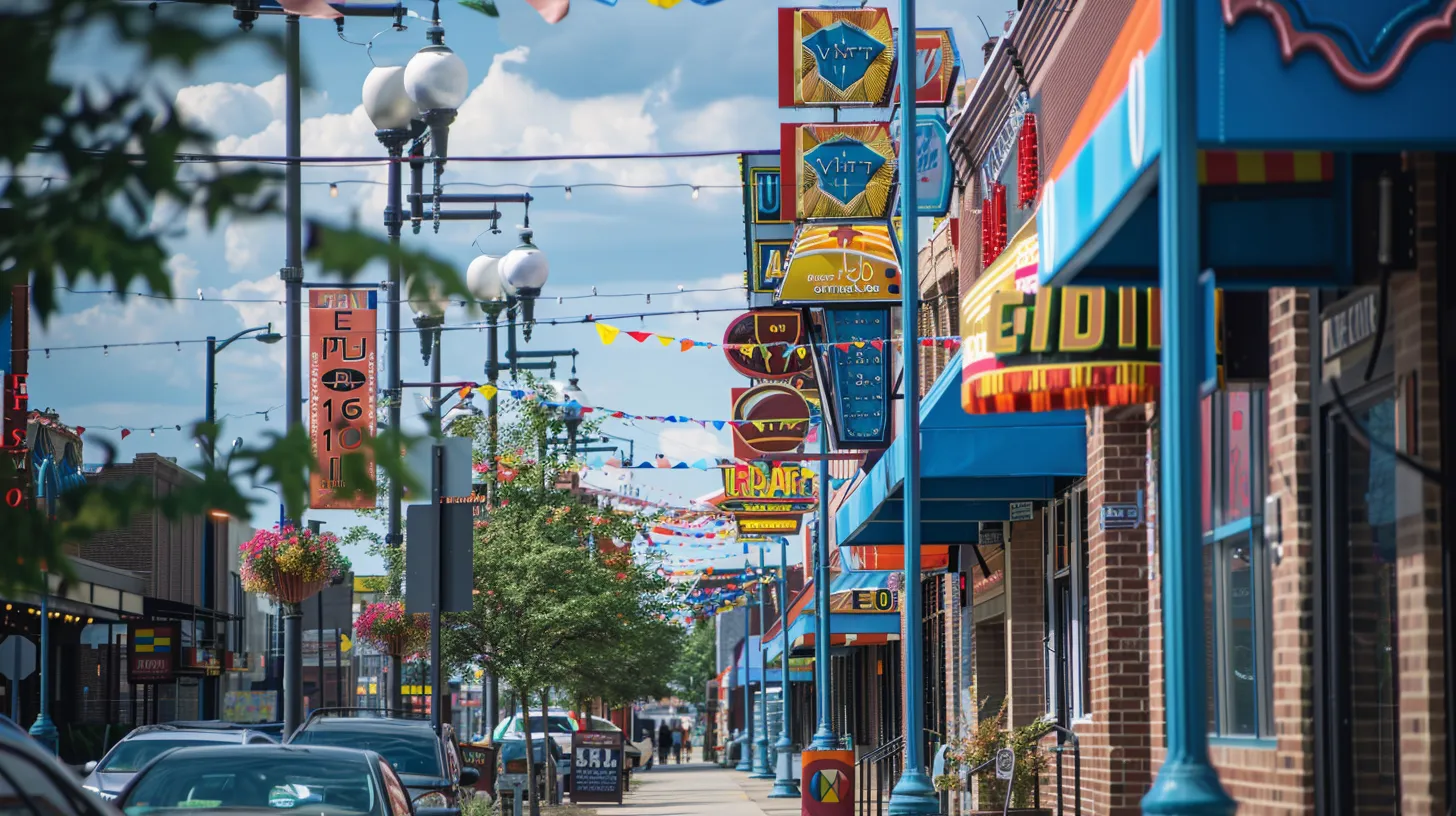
(847, 624)
(749, 666)
(972, 468)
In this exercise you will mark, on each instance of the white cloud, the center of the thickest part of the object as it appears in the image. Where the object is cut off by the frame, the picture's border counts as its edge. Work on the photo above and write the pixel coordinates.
(261, 296)
(691, 443)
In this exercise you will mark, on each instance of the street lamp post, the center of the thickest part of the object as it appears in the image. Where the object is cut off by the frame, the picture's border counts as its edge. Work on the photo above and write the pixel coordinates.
(785, 787)
(913, 793)
(263, 334)
(745, 737)
(824, 738)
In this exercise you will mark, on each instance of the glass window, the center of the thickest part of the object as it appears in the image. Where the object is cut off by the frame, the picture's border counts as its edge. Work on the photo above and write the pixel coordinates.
(254, 779)
(1069, 683)
(416, 752)
(1237, 580)
(130, 755)
(28, 789)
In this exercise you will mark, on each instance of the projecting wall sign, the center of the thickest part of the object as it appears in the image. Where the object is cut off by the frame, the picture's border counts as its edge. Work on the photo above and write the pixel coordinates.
(750, 330)
(838, 171)
(859, 377)
(843, 264)
(835, 57)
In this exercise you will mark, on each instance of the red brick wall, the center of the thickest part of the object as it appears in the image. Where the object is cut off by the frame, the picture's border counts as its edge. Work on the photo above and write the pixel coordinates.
(1025, 651)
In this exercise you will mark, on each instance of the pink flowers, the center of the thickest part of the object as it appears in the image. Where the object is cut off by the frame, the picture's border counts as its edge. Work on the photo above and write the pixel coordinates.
(389, 629)
(284, 563)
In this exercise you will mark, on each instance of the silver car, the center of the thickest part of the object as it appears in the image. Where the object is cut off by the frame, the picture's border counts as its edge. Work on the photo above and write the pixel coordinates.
(107, 777)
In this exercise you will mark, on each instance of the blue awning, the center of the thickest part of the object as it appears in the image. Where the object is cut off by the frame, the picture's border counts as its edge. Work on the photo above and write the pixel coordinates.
(971, 468)
(754, 671)
(873, 623)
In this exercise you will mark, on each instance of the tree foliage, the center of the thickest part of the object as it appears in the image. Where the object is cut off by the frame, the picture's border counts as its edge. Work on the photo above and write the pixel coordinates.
(94, 167)
(697, 662)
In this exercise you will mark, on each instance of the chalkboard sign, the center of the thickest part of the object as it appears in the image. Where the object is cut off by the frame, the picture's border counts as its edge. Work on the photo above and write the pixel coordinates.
(482, 759)
(596, 766)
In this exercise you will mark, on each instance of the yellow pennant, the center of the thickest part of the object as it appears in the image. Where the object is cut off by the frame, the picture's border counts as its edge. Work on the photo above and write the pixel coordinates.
(666, 341)
(802, 352)
(746, 351)
(607, 333)
(487, 391)
(664, 3)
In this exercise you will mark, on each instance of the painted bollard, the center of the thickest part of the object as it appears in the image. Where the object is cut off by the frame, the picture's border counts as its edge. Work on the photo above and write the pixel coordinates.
(828, 783)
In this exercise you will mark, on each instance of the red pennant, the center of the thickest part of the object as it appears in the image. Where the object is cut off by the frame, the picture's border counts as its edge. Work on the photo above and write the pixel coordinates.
(878, 344)
(80, 430)
(926, 341)
(125, 432)
(951, 342)
(640, 337)
(842, 346)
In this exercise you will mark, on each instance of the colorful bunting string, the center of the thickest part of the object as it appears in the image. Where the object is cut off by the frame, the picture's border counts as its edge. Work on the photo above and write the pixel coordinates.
(609, 334)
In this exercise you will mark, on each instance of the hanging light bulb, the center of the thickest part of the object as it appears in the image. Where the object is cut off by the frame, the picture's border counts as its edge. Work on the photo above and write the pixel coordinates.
(154, 432)
(568, 193)
(695, 194)
(333, 190)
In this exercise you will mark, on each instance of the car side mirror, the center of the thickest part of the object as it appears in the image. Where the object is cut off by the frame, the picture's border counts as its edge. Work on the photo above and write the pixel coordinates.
(469, 776)
(89, 766)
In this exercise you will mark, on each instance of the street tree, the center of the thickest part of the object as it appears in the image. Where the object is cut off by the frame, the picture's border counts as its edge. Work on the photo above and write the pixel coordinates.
(696, 662)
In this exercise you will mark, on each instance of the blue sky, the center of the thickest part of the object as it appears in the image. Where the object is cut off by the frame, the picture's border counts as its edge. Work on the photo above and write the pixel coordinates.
(633, 78)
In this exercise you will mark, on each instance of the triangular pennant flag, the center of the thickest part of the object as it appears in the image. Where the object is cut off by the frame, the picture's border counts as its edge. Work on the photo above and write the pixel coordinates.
(607, 333)
(639, 336)
(718, 424)
(927, 342)
(950, 342)
(465, 392)
(859, 344)
(746, 350)
(760, 424)
(842, 346)
(665, 341)
(686, 344)
(487, 391)
(701, 464)
(803, 351)
(125, 432)
(879, 345)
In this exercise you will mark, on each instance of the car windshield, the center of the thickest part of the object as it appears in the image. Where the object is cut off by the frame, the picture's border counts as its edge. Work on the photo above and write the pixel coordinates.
(130, 755)
(560, 724)
(255, 780)
(410, 751)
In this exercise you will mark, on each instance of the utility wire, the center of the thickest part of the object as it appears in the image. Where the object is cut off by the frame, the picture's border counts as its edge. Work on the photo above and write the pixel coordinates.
(202, 298)
(365, 161)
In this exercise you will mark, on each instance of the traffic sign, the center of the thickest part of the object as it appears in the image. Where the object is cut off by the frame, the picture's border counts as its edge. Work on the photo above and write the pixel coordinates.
(17, 657)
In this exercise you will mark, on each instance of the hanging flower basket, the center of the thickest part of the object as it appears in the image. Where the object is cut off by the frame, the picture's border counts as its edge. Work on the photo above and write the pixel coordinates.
(388, 628)
(290, 565)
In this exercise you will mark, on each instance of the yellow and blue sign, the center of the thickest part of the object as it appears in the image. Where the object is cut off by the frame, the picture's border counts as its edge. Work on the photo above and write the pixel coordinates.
(835, 57)
(839, 171)
(768, 231)
(150, 641)
(842, 264)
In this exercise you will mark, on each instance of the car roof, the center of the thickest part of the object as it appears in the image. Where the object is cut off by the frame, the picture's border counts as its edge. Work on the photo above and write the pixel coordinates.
(196, 734)
(368, 723)
(222, 751)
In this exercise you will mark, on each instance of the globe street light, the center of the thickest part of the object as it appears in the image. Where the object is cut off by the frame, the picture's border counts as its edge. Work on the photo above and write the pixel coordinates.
(437, 81)
(524, 271)
(573, 401)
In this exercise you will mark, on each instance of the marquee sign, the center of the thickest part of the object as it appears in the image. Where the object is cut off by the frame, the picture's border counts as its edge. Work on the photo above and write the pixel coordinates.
(840, 171)
(865, 601)
(750, 527)
(750, 330)
(937, 67)
(835, 57)
(343, 383)
(842, 264)
(766, 480)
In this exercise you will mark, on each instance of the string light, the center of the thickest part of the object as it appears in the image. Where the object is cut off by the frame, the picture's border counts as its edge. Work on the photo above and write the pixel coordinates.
(681, 290)
(568, 193)
(695, 193)
(333, 190)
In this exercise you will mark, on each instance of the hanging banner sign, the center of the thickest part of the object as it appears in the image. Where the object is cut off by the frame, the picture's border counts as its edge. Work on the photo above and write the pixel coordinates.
(768, 231)
(343, 384)
(937, 67)
(153, 649)
(774, 418)
(852, 265)
(859, 379)
(841, 171)
(933, 171)
(835, 57)
(1003, 145)
(745, 344)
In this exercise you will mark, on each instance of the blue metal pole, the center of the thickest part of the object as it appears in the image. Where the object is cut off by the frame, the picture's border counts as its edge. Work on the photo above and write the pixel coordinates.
(760, 745)
(785, 786)
(1187, 784)
(43, 730)
(745, 736)
(913, 793)
(824, 737)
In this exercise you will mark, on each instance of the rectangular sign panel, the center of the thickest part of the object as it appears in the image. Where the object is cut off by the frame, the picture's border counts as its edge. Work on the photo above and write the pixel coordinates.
(768, 480)
(835, 57)
(842, 264)
(859, 383)
(153, 651)
(838, 171)
(596, 766)
(768, 231)
(751, 526)
(343, 381)
(937, 67)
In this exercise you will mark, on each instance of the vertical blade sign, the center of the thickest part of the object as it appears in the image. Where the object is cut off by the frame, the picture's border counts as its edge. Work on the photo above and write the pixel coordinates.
(342, 377)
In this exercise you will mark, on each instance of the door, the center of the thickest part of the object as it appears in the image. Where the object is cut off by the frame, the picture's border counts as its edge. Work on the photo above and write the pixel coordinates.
(1362, 637)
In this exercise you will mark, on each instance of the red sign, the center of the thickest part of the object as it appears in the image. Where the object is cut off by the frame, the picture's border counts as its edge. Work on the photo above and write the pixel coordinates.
(757, 344)
(937, 66)
(153, 651)
(342, 377)
(768, 418)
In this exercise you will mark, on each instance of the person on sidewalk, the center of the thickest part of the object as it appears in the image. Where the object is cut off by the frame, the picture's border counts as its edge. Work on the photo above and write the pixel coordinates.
(664, 742)
(688, 744)
(677, 745)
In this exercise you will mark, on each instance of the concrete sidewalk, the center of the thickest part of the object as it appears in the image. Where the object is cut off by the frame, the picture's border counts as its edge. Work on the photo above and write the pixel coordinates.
(698, 789)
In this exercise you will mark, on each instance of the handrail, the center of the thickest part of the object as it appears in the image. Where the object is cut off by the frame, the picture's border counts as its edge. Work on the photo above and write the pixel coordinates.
(893, 746)
(882, 766)
(1063, 735)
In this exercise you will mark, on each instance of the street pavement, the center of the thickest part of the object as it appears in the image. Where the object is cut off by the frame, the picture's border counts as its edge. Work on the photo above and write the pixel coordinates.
(698, 789)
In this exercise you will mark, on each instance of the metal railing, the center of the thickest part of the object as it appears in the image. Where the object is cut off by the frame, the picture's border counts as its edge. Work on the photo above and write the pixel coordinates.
(1003, 763)
(875, 776)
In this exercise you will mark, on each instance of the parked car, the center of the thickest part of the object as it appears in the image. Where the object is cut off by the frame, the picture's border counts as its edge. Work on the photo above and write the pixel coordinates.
(511, 772)
(110, 774)
(429, 763)
(560, 724)
(48, 787)
(312, 779)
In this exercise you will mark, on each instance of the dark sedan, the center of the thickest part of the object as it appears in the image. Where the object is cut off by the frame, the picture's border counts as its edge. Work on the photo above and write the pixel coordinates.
(429, 763)
(327, 781)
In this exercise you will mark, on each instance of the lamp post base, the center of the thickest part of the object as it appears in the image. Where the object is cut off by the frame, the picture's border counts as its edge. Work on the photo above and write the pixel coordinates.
(1186, 788)
(759, 763)
(824, 739)
(785, 786)
(44, 732)
(914, 795)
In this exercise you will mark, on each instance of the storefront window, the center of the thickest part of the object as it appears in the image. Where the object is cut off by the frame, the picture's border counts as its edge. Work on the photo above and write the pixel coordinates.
(1237, 581)
(1068, 682)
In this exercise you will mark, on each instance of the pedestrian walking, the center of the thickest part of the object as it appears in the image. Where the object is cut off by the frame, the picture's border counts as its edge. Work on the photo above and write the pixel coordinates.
(664, 742)
(677, 745)
(688, 745)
